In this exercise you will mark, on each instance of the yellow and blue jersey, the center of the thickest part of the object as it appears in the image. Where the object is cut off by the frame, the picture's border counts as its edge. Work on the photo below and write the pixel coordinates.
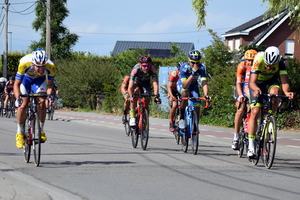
(26, 69)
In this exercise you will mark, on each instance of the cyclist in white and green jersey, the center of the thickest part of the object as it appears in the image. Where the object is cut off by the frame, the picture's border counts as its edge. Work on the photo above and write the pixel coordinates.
(268, 67)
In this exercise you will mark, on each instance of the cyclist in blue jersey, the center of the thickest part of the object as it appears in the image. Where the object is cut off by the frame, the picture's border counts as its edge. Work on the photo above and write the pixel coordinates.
(187, 84)
(31, 77)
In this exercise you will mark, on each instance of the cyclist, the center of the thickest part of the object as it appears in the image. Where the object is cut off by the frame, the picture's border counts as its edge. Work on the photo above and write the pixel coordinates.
(268, 67)
(9, 89)
(124, 91)
(2, 84)
(173, 95)
(140, 83)
(51, 100)
(187, 85)
(241, 94)
(31, 77)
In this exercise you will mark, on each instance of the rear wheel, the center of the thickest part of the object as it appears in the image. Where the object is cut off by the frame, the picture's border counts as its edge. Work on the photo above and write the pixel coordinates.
(184, 139)
(194, 134)
(27, 140)
(144, 129)
(269, 142)
(36, 140)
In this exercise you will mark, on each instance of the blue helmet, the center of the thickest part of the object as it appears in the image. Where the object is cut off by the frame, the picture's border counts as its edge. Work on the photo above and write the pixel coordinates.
(194, 55)
(39, 57)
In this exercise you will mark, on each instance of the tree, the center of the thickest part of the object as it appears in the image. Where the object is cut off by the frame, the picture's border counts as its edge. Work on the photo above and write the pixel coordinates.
(61, 38)
(274, 7)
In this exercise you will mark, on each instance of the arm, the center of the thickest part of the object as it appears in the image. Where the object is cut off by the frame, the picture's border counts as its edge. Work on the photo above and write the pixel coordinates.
(17, 91)
(205, 87)
(169, 87)
(286, 86)
(130, 88)
(50, 87)
(253, 86)
(186, 83)
(155, 86)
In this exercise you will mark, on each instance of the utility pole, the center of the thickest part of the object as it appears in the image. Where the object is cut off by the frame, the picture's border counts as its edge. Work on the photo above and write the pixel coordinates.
(5, 44)
(48, 29)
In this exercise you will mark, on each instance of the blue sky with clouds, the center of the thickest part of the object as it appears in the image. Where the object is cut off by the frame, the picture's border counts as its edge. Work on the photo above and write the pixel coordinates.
(100, 23)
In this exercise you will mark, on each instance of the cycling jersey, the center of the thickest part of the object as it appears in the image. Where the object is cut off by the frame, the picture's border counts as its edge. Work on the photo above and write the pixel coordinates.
(173, 77)
(186, 71)
(259, 67)
(140, 77)
(243, 73)
(31, 80)
(25, 69)
(9, 86)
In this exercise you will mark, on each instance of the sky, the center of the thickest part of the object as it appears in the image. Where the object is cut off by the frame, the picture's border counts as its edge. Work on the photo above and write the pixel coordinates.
(101, 23)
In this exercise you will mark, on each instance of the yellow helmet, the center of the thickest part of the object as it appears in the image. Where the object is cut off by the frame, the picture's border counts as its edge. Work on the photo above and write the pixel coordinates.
(250, 54)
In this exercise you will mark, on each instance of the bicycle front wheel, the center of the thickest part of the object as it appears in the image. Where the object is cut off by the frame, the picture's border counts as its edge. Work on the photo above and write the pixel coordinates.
(269, 142)
(194, 134)
(241, 143)
(36, 139)
(144, 129)
(27, 140)
(127, 128)
(134, 136)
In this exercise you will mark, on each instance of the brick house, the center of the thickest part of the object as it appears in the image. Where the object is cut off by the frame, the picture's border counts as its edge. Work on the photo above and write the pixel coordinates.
(274, 31)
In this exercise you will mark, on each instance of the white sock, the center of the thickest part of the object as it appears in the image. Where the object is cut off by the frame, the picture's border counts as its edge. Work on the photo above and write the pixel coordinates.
(236, 136)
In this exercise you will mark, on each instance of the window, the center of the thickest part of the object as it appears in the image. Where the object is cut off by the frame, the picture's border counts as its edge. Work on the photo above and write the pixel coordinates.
(289, 48)
(237, 44)
(230, 44)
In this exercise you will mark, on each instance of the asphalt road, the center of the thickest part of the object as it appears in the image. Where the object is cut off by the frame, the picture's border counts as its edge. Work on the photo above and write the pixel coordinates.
(88, 156)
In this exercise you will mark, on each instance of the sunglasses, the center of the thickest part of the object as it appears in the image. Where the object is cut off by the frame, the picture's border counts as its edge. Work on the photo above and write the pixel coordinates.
(195, 63)
(146, 65)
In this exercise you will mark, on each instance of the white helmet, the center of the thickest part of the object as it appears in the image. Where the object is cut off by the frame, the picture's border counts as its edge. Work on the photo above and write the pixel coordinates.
(272, 55)
(2, 79)
(39, 57)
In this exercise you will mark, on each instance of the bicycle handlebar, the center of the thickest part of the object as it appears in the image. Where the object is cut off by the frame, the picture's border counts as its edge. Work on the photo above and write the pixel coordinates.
(195, 98)
(35, 95)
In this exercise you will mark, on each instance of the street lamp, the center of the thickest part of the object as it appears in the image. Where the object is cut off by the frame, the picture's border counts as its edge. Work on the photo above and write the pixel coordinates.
(10, 41)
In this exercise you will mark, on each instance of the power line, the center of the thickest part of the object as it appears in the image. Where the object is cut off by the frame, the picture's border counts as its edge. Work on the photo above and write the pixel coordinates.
(21, 12)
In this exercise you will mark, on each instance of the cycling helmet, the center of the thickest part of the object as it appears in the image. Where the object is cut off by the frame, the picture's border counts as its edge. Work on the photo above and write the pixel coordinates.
(179, 65)
(145, 59)
(3, 80)
(272, 55)
(250, 54)
(39, 57)
(12, 78)
(194, 55)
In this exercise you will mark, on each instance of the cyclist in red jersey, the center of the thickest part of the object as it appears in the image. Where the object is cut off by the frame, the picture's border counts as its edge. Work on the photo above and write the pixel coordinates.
(173, 94)
(241, 93)
(9, 89)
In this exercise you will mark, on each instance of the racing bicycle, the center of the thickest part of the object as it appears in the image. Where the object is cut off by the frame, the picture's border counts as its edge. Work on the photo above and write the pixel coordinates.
(32, 129)
(266, 135)
(141, 129)
(191, 131)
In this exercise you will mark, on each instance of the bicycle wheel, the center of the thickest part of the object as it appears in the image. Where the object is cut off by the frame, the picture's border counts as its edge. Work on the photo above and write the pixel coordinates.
(194, 133)
(134, 136)
(254, 160)
(8, 109)
(36, 140)
(49, 112)
(27, 140)
(12, 108)
(184, 139)
(241, 143)
(127, 128)
(52, 113)
(144, 130)
(269, 142)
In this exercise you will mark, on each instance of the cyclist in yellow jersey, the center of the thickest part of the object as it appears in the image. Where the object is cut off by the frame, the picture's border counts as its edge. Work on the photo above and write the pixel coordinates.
(31, 78)
(268, 67)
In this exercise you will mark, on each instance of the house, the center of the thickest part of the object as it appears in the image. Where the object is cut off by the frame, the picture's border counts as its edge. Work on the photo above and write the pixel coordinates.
(274, 31)
(155, 49)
